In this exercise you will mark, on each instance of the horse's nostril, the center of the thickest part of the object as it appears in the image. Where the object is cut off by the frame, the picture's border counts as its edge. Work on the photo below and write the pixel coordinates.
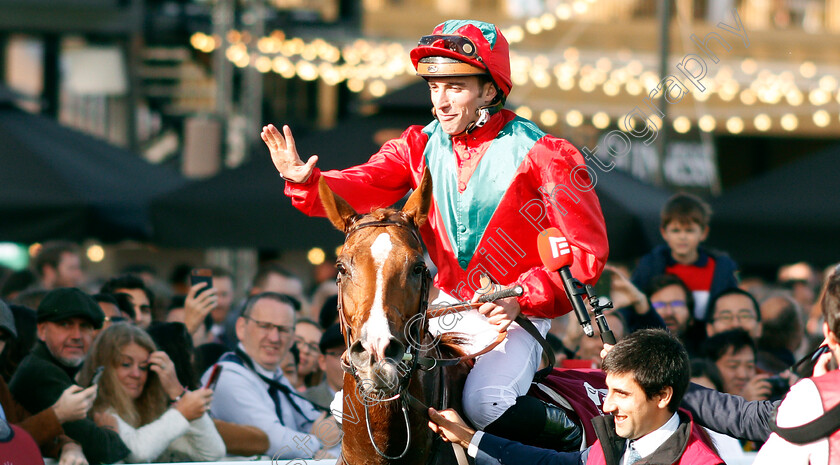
(394, 350)
(358, 355)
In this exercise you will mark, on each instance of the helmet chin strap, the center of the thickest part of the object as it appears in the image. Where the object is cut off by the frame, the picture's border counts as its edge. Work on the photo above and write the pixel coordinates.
(483, 114)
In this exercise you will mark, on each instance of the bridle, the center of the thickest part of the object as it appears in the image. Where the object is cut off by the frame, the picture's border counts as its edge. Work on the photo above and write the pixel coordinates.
(410, 353)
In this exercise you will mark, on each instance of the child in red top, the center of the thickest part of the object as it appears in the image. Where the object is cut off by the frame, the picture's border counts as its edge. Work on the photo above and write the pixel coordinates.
(684, 226)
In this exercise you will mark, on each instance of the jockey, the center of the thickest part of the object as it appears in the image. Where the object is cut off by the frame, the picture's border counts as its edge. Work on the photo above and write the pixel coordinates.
(498, 180)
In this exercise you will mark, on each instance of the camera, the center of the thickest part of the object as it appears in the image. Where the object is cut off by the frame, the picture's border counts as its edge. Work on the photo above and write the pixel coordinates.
(778, 387)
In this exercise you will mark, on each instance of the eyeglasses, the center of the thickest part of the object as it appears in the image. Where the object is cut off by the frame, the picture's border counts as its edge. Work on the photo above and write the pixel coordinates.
(266, 326)
(458, 44)
(672, 304)
(726, 317)
(311, 347)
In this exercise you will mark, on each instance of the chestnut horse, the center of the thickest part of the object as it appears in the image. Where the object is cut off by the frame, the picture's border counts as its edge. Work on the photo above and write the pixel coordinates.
(391, 374)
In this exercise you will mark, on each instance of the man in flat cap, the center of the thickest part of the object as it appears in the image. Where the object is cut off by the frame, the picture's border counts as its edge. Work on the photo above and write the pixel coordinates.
(66, 319)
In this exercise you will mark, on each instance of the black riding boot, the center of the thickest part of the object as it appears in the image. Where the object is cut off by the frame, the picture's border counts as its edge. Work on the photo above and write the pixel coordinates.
(536, 423)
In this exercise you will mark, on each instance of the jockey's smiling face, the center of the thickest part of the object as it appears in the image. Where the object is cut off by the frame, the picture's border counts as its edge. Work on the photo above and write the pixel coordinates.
(456, 100)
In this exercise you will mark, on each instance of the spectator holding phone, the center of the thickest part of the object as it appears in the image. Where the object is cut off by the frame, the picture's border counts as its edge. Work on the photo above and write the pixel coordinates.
(45, 426)
(141, 399)
(66, 320)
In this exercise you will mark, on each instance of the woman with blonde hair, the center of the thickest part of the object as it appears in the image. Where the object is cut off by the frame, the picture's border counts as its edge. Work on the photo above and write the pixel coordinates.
(140, 398)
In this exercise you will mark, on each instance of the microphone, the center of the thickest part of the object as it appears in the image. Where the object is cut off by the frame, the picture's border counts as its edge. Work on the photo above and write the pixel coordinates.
(556, 255)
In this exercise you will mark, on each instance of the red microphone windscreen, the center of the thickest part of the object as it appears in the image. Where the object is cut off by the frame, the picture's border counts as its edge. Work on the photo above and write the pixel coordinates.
(555, 252)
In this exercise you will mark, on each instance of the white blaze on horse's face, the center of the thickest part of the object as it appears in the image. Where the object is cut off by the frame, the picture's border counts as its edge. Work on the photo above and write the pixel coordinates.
(376, 332)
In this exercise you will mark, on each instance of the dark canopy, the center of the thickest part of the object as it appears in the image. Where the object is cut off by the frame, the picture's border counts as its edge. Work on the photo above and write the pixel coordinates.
(789, 214)
(631, 212)
(56, 182)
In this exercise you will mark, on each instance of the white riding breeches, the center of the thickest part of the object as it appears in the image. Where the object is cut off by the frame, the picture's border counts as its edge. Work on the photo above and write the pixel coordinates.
(499, 376)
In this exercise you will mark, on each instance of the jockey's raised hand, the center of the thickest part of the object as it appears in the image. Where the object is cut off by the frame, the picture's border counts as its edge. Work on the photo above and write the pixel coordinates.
(285, 156)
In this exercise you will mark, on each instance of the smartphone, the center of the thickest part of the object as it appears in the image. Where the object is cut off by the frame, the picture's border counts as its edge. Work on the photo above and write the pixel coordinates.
(97, 375)
(214, 377)
(201, 275)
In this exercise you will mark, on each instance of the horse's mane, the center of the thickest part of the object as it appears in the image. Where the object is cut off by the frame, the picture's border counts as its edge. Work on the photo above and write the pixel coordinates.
(451, 345)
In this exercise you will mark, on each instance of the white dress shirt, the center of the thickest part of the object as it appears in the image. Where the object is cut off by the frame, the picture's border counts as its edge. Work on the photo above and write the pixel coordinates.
(648, 443)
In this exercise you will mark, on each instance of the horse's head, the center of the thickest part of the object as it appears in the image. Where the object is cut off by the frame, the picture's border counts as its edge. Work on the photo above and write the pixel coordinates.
(383, 284)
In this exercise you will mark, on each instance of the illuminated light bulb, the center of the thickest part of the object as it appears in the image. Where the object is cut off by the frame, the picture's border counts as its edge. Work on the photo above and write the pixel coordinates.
(242, 62)
(611, 88)
(701, 96)
(828, 83)
(355, 85)
(563, 11)
(524, 112)
(233, 36)
(548, 21)
(263, 64)
(762, 122)
(822, 118)
(566, 84)
(707, 123)
(34, 249)
(808, 69)
(516, 34)
(603, 64)
(600, 120)
(548, 117)
(748, 97)
(316, 256)
(377, 88)
(794, 97)
(635, 68)
(571, 54)
(749, 66)
(579, 7)
(309, 52)
(789, 122)
(655, 120)
(623, 124)
(818, 97)
(265, 45)
(586, 85)
(338, 250)
(633, 87)
(574, 118)
(533, 26)
(198, 40)
(682, 124)
(95, 253)
(735, 125)
(542, 79)
(306, 71)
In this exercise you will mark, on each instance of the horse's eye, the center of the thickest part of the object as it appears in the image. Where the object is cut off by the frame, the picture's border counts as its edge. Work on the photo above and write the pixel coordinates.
(341, 268)
(419, 268)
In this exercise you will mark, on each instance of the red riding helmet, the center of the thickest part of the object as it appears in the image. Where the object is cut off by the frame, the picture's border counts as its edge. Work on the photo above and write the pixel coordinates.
(464, 48)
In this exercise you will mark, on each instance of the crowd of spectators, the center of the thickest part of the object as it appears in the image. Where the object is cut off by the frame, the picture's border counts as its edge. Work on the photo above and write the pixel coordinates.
(98, 373)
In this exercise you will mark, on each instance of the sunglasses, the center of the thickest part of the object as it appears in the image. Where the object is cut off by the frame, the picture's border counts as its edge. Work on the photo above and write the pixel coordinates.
(458, 44)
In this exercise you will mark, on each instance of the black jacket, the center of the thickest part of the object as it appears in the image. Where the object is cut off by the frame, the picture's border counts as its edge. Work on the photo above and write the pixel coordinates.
(38, 383)
(730, 415)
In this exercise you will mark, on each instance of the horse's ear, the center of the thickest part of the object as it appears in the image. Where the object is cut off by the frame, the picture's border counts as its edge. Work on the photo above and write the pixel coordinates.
(418, 204)
(339, 212)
